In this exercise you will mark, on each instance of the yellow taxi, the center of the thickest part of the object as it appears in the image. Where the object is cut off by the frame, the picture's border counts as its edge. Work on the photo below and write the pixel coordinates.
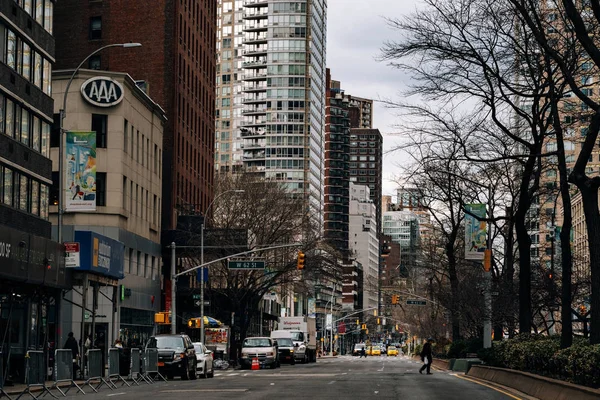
(375, 351)
(392, 351)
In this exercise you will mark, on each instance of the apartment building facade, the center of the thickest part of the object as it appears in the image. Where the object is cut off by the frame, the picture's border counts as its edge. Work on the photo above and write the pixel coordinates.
(271, 93)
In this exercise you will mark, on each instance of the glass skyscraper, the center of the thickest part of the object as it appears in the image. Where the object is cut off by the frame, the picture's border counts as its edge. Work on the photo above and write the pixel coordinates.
(271, 92)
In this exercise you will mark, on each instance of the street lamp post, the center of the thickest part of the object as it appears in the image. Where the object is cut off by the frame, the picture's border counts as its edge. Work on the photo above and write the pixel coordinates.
(202, 259)
(63, 114)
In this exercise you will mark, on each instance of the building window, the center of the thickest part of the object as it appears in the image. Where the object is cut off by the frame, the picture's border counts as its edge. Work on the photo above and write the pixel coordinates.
(35, 197)
(54, 189)
(55, 131)
(8, 187)
(94, 62)
(95, 28)
(99, 125)
(100, 189)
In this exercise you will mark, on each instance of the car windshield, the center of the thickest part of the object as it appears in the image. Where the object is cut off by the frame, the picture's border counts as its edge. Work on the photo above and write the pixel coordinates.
(297, 336)
(391, 348)
(198, 348)
(169, 342)
(285, 342)
(257, 342)
(359, 346)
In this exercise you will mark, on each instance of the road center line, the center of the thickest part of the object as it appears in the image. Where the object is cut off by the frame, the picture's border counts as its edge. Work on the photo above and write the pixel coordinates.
(114, 394)
(489, 386)
(331, 382)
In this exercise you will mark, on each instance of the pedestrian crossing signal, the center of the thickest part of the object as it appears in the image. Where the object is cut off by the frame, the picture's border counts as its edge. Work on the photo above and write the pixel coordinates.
(395, 298)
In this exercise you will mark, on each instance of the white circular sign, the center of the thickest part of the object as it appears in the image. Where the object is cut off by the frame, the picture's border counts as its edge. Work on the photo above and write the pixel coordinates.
(102, 91)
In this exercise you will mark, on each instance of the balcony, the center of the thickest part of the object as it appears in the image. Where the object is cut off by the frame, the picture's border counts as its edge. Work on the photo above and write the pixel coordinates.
(254, 111)
(254, 100)
(256, 3)
(256, 13)
(255, 64)
(257, 76)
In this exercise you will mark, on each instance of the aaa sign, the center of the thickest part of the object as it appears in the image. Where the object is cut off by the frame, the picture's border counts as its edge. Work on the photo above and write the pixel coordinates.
(102, 91)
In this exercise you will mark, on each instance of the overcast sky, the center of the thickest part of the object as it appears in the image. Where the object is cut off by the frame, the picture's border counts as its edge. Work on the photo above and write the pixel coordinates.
(356, 30)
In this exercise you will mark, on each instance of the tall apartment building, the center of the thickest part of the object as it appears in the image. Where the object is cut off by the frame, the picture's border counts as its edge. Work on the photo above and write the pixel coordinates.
(361, 112)
(337, 155)
(271, 92)
(366, 163)
(176, 66)
(33, 273)
(364, 242)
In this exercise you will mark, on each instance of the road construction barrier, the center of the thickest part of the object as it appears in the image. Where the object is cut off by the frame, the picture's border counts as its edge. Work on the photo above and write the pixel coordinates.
(35, 374)
(114, 373)
(151, 365)
(2, 392)
(135, 368)
(94, 370)
(64, 371)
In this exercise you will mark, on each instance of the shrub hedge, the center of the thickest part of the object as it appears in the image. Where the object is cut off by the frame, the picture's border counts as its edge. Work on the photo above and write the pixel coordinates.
(542, 355)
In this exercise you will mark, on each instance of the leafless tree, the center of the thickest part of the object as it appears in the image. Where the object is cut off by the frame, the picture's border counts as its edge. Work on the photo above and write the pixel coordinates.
(475, 59)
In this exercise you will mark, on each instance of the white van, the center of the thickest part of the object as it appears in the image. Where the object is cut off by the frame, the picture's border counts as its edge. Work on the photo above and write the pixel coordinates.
(299, 346)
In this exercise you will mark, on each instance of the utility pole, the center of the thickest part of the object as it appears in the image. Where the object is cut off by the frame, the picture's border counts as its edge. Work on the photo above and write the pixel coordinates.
(173, 290)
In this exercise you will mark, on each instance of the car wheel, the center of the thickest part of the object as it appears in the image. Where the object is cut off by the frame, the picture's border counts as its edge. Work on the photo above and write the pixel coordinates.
(170, 376)
(273, 365)
(293, 362)
(193, 373)
(204, 373)
(212, 372)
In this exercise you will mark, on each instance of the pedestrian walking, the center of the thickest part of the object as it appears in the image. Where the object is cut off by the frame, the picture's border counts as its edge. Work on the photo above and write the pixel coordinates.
(71, 344)
(426, 357)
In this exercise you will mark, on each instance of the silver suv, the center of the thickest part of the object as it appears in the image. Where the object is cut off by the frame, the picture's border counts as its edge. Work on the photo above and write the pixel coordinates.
(262, 348)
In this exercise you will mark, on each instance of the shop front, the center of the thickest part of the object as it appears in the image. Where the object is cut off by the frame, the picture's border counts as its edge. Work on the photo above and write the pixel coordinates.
(32, 277)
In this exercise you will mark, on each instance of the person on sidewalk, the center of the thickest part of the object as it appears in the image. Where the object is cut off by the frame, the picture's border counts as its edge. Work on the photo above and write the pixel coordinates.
(426, 357)
(71, 344)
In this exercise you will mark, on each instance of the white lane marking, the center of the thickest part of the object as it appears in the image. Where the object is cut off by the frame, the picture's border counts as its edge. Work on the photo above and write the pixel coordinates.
(332, 382)
(202, 390)
(233, 374)
(272, 383)
(377, 392)
(114, 394)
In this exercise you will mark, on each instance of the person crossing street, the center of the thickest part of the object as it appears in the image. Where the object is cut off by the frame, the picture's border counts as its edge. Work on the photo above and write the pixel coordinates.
(426, 357)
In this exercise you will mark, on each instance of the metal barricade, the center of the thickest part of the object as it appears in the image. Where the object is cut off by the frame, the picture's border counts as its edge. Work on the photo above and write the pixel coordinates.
(135, 367)
(64, 370)
(35, 374)
(151, 365)
(2, 392)
(94, 370)
(114, 373)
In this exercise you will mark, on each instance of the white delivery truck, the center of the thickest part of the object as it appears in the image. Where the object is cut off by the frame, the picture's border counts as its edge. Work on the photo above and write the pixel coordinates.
(303, 331)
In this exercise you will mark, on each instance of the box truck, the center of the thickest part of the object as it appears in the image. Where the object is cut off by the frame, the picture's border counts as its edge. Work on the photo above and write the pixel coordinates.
(303, 331)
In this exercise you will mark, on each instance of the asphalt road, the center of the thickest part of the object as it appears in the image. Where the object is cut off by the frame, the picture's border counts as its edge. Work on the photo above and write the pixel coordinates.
(334, 378)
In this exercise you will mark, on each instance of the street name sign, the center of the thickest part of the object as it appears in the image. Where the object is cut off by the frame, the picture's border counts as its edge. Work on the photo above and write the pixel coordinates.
(416, 302)
(245, 264)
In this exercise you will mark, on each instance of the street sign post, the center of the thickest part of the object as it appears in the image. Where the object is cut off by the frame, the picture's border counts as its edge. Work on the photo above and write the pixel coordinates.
(416, 302)
(245, 264)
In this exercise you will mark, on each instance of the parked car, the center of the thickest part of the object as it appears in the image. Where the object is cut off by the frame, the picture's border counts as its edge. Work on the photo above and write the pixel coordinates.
(176, 355)
(358, 348)
(204, 361)
(392, 351)
(286, 350)
(262, 348)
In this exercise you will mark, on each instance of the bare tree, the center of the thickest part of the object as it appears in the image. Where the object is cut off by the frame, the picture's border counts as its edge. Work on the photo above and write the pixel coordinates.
(473, 58)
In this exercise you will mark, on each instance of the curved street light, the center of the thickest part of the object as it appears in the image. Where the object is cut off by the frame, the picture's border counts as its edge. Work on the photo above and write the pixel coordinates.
(63, 114)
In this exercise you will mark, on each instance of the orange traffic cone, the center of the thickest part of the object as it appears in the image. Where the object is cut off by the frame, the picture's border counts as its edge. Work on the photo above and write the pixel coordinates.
(255, 364)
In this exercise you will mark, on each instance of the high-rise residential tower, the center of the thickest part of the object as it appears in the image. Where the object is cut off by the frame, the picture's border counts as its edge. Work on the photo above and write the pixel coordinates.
(271, 92)
(366, 163)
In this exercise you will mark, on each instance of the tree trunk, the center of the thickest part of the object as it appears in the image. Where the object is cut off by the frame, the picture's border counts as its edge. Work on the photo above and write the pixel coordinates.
(589, 195)
(454, 306)
(508, 277)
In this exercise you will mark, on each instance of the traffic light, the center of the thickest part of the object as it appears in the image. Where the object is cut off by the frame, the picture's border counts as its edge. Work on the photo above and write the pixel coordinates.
(395, 298)
(378, 321)
(364, 326)
(300, 264)
(190, 323)
(582, 309)
(357, 322)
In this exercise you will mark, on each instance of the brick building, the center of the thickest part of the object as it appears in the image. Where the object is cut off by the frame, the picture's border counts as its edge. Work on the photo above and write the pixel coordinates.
(176, 67)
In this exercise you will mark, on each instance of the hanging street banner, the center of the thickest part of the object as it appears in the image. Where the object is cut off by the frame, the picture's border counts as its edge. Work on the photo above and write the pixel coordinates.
(80, 180)
(475, 232)
(312, 307)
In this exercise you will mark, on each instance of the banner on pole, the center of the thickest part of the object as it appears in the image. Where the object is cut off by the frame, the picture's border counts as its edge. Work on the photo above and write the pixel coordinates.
(475, 232)
(80, 172)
